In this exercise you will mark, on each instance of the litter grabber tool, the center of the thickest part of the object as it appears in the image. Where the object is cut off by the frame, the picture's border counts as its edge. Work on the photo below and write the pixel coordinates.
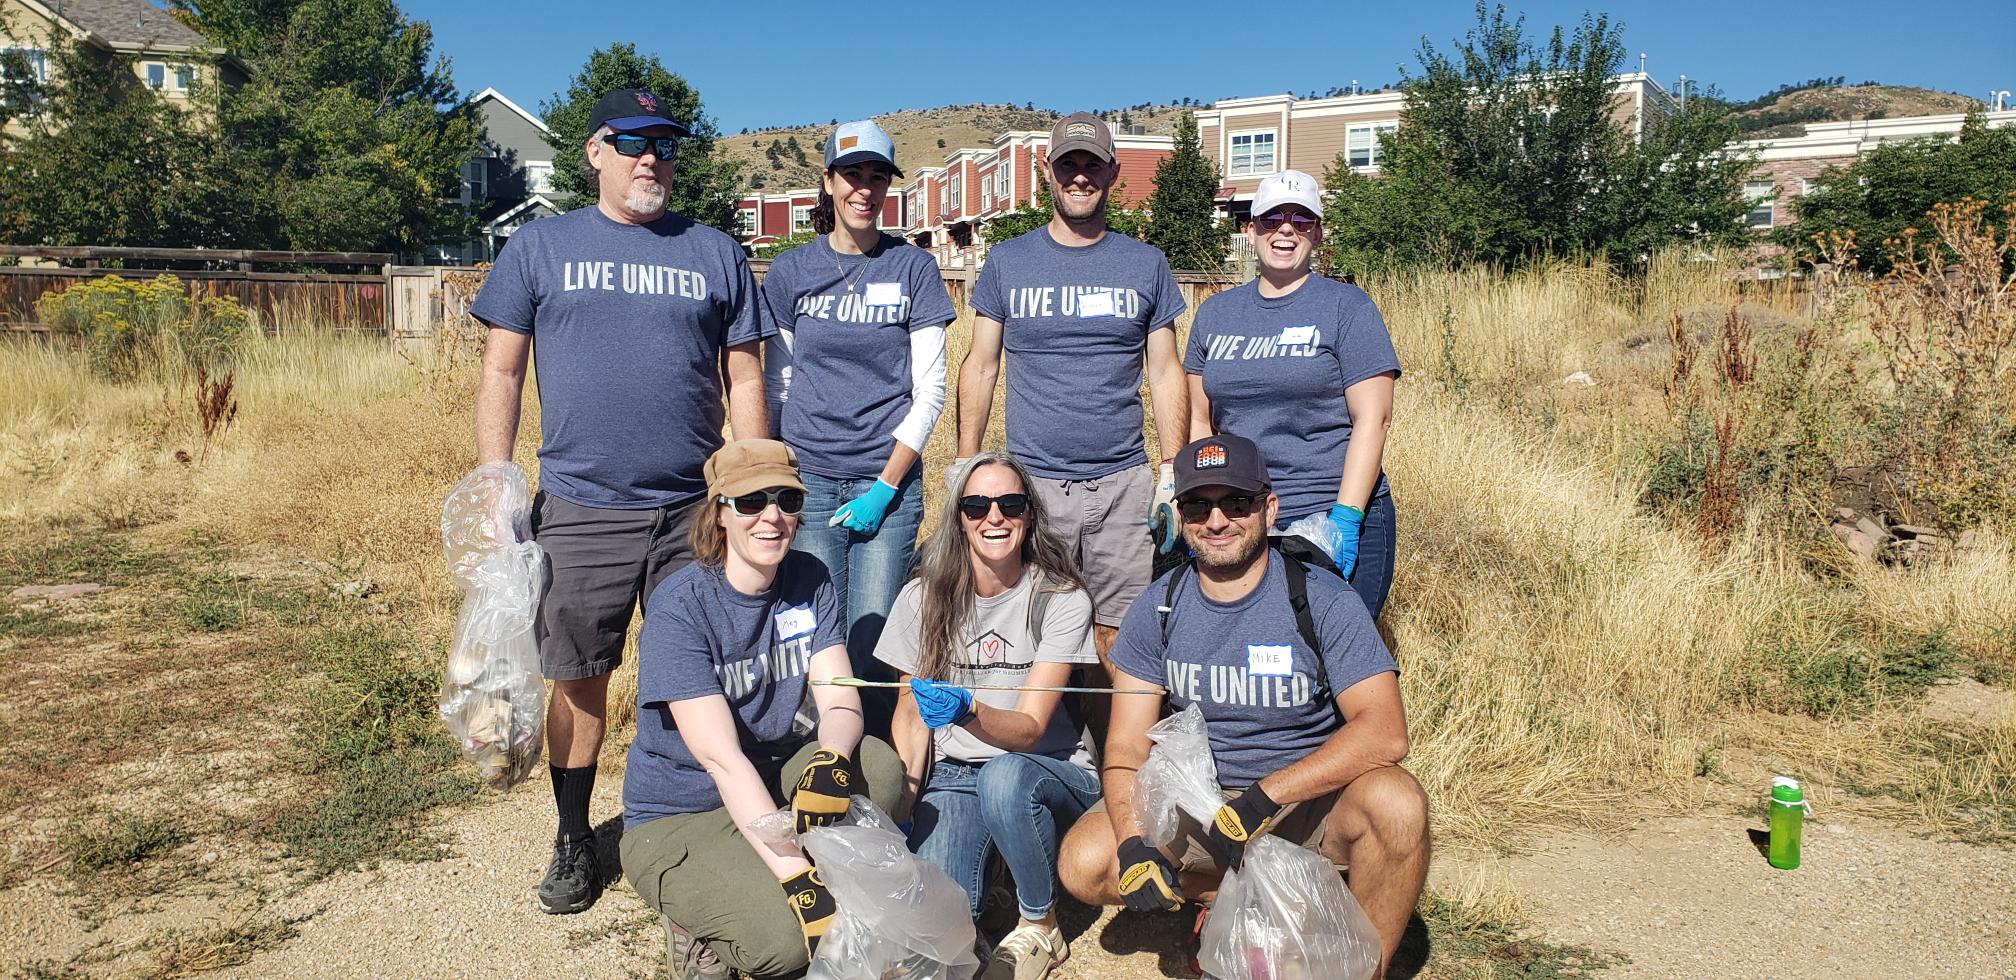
(858, 682)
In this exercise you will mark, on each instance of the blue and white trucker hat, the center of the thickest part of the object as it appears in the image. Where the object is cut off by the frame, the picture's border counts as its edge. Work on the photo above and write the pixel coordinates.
(859, 142)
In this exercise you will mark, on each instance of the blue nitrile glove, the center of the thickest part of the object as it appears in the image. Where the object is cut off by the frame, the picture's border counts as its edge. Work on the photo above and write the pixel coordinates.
(941, 704)
(1163, 527)
(863, 514)
(1348, 520)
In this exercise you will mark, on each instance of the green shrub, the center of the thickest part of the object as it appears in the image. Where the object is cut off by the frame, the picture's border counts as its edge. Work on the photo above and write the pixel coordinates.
(135, 329)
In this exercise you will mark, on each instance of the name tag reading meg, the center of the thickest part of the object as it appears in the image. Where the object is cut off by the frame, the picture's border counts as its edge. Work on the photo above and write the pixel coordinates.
(1291, 336)
(1095, 304)
(885, 294)
(794, 621)
(1270, 660)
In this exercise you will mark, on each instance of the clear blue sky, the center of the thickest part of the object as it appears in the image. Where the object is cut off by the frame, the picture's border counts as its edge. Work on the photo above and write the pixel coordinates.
(816, 62)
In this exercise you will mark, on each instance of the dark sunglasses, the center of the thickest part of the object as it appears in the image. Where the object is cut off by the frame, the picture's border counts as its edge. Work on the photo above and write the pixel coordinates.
(1271, 223)
(975, 507)
(1235, 506)
(789, 500)
(633, 145)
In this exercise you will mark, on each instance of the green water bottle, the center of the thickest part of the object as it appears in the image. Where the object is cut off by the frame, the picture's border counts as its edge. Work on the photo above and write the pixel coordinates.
(1788, 813)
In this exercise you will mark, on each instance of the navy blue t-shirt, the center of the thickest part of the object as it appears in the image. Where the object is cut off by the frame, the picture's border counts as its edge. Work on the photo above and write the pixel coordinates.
(1244, 664)
(850, 317)
(1275, 371)
(1074, 323)
(627, 323)
(702, 637)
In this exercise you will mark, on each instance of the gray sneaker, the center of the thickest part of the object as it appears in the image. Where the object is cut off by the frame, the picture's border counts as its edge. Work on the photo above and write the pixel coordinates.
(573, 879)
(687, 958)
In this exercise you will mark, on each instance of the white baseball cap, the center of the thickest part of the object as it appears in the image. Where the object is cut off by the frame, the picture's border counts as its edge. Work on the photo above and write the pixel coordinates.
(1288, 187)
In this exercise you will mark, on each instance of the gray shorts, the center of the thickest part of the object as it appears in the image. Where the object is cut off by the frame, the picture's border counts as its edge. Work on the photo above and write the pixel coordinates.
(601, 564)
(1104, 522)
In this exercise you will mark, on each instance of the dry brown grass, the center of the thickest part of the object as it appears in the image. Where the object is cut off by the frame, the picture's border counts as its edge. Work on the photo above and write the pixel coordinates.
(1561, 648)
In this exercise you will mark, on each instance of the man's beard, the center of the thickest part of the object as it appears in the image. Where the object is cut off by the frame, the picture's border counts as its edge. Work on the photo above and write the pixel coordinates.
(1057, 205)
(646, 199)
(1236, 556)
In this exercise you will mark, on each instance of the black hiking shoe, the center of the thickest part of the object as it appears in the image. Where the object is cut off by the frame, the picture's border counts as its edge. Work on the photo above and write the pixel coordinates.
(573, 880)
(687, 958)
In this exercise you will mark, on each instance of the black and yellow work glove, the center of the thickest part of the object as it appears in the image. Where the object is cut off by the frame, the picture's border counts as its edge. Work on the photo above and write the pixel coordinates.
(812, 904)
(1147, 878)
(830, 780)
(1240, 821)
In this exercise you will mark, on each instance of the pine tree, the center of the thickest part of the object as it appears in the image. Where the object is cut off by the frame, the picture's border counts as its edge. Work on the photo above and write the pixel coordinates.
(1180, 220)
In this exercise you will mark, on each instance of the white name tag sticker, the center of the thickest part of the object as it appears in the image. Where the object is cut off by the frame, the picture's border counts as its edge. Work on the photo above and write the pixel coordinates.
(1095, 304)
(1270, 660)
(885, 293)
(794, 621)
(1291, 336)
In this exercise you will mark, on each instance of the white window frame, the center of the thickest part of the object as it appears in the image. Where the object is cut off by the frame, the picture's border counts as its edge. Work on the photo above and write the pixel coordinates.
(475, 179)
(38, 61)
(956, 186)
(801, 218)
(184, 76)
(1252, 166)
(987, 192)
(1762, 195)
(745, 221)
(538, 176)
(1370, 133)
(147, 70)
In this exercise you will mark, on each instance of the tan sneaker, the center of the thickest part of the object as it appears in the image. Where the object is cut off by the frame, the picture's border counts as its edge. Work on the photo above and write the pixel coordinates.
(1027, 953)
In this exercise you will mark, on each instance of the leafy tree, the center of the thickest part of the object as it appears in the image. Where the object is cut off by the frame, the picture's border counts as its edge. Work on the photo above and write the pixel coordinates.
(1507, 149)
(1893, 187)
(167, 185)
(349, 133)
(704, 180)
(785, 244)
(1180, 221)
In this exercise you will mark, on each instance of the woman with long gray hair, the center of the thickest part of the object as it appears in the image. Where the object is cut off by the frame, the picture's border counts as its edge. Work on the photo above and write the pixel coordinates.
(996, 600)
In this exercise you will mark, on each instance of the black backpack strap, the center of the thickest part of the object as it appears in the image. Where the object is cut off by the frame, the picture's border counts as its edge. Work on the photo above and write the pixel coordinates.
(1168, 604)
(1305, 621)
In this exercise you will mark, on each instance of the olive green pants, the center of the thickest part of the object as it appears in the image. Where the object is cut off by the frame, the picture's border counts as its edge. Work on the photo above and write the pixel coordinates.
(696, 869)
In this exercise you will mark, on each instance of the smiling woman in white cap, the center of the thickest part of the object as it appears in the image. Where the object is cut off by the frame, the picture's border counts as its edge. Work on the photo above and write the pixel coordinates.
(1303, 366)
(856, 374)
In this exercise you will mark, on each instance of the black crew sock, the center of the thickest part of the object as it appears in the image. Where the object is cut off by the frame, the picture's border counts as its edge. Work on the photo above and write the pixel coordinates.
(571, 789)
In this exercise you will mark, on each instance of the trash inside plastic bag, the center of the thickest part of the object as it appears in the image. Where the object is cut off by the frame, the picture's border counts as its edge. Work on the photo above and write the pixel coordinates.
(1285, 915)
(1318, 529)
(900, 916)
(492, 696)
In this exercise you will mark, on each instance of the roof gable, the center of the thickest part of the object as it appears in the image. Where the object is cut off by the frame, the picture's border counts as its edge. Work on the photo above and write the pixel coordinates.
(125, 23)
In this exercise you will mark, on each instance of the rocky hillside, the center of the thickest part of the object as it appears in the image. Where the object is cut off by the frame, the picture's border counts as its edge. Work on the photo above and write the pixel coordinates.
(1786, 111)
(784, 158)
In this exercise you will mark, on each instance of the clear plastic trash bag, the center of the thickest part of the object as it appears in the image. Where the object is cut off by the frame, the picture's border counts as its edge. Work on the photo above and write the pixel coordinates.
(1286, 914)
(492, 695)
(1318, 529)
(900, 917)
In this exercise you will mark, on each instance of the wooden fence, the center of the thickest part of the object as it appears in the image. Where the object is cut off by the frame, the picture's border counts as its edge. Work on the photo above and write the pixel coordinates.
(283, 297)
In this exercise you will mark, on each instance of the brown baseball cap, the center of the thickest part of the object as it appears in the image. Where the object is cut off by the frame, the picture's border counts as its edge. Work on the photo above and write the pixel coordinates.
(746, 465)
(1081, 131)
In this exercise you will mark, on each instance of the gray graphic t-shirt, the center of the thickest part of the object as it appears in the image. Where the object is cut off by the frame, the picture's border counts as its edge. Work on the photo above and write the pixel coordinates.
(1074, 322)
(1275, 371)
(702, 637)
(627, 323)
(850, 317)
(1245, 665)
(999, 651)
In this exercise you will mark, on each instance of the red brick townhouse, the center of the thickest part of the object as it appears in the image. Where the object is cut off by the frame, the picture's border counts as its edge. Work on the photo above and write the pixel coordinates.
(1251, 138)
(951, 204)
(765, 218)
(1788, 166)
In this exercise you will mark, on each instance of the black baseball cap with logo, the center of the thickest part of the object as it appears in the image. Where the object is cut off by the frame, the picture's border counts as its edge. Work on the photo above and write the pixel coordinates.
(1220, 461)
(626, 110)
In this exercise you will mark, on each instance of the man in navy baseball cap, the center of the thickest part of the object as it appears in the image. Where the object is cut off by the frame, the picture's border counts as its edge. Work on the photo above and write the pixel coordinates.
(627, 110)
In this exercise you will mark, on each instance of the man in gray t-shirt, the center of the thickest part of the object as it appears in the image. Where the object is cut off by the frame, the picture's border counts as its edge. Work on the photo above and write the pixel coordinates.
(1078, 310)
(637, 315)
(1306, 738)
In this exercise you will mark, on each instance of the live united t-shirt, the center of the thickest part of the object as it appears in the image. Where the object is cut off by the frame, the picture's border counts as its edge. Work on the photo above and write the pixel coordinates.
(1074, 323)
(702, 637)
(1275, 371)
(1245, 665)
(850, 317)
(627, 323)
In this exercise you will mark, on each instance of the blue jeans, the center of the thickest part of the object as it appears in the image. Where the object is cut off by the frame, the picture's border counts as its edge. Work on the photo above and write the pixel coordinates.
(1016, 804)
(1373, 577)
(867, 571)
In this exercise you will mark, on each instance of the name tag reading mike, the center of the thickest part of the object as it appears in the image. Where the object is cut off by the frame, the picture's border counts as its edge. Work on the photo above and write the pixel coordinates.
(1270, 660)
